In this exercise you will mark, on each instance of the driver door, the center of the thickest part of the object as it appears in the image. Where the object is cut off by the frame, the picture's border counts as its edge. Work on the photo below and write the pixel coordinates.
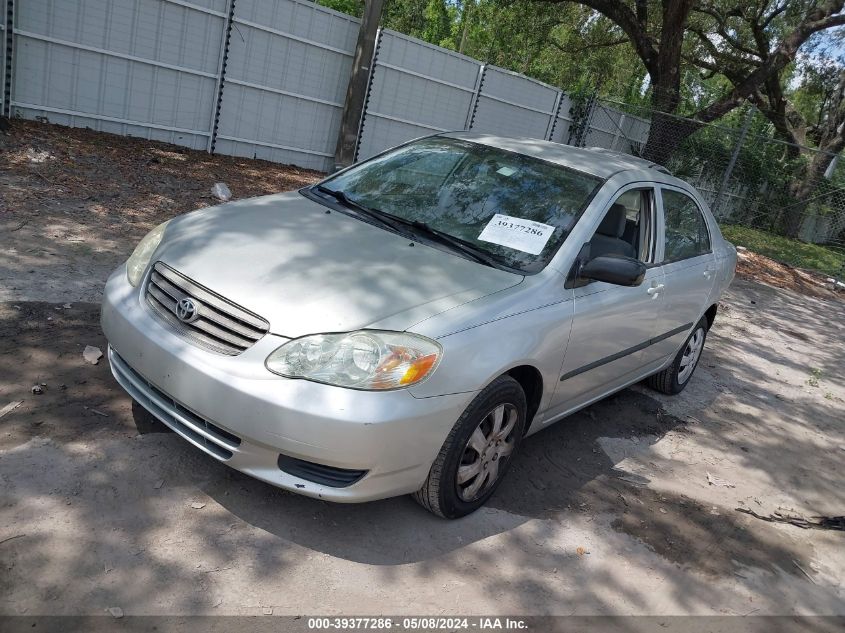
(612, 325)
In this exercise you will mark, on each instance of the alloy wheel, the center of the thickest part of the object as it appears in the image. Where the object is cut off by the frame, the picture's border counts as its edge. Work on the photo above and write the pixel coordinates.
(491, 443)
(690, 357)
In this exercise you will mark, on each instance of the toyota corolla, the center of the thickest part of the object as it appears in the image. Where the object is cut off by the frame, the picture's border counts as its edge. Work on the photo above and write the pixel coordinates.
(401, 326)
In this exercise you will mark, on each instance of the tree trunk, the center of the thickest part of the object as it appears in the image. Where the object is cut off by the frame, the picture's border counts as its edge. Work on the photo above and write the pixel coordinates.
(667, 131)
(465, 23)
(665, 135)
(356, 91)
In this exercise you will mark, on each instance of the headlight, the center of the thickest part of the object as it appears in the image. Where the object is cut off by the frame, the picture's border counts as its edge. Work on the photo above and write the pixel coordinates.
(368, 359)
(140, 258)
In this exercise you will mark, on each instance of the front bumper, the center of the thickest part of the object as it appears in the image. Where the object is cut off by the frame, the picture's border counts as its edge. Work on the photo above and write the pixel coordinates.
(235, 410)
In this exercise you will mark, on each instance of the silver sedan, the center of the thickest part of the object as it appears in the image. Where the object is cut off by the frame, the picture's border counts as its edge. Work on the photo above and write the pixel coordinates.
(401, 326)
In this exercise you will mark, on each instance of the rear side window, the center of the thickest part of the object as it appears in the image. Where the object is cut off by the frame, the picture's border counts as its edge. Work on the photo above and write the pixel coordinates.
(686, 230)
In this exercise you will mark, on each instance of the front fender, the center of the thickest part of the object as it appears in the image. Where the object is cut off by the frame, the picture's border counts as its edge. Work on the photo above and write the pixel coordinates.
(474, 357)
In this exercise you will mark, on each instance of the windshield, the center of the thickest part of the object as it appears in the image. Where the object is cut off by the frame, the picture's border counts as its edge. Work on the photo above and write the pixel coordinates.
(516, 209)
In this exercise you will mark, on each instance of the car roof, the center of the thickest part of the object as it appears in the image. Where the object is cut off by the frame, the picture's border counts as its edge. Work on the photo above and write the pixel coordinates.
(597, 161)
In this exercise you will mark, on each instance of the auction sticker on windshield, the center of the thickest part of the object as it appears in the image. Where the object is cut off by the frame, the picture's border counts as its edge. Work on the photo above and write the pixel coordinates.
(523, 235)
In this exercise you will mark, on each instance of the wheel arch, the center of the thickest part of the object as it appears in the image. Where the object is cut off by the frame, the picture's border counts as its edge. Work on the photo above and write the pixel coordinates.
(531, 381)
(710, 314)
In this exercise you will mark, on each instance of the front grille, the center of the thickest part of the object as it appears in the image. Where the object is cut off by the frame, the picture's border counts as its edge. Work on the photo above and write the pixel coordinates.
(200, 431)
(319, 473)
(221, 325)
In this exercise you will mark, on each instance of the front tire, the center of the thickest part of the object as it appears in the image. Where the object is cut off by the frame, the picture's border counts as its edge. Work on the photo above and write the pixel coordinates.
(676, 376)
(477, 453)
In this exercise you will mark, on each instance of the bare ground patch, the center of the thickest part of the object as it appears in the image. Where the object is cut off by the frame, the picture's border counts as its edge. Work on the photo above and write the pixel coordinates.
(756, 267)
(74, 202)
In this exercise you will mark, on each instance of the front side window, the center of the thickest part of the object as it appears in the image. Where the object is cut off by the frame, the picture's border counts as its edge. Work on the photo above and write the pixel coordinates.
(627, 227)
(686, 229)
(515, 209)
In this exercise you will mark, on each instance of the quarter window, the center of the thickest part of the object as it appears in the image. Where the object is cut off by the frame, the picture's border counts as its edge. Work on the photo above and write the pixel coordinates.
(686, 230)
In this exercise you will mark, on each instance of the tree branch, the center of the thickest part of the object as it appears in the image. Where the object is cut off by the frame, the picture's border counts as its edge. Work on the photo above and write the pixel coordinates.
(621, 14)
(774, 14)
(718, 55)
(722, 30)
(732, 74)
(818, 19)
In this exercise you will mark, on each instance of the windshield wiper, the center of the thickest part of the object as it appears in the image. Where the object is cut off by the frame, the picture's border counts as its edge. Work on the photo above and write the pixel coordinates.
(374, 214)
(398, 223)
(458, 244)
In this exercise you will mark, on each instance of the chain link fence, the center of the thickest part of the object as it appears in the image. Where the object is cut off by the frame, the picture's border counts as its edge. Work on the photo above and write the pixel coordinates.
(761, 187)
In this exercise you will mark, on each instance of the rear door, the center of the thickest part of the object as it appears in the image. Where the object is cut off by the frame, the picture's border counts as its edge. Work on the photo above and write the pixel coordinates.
(689, 268)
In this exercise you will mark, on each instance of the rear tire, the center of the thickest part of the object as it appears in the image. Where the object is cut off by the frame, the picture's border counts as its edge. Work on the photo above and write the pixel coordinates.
(477, 452)
(677, 376)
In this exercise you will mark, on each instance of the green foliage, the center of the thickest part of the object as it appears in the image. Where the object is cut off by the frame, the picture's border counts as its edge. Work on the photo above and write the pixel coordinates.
(406, 16)
(350, 7)
(562, 44)
(438, 22)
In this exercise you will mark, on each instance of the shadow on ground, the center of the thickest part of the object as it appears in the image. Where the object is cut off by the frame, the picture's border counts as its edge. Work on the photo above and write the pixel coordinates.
(81, 441)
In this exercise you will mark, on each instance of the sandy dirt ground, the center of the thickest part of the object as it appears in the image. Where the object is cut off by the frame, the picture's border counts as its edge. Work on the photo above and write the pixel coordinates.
(73, 202)
(608, 512)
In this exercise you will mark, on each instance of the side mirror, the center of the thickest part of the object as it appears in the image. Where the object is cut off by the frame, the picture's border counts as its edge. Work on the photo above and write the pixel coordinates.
(614, 269)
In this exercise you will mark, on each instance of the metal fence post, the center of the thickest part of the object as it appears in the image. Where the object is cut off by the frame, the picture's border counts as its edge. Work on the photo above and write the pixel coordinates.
(717, 201)
(221, 75)
(473, 104)
(550, 130)
(619, 132)
(8, 45)
(578, 130)
(370, 78)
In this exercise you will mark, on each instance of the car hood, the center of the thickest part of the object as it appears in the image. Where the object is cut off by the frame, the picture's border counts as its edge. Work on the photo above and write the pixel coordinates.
(305, 270)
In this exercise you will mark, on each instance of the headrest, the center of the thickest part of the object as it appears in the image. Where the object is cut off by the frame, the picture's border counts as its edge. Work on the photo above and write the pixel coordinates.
(613, 224)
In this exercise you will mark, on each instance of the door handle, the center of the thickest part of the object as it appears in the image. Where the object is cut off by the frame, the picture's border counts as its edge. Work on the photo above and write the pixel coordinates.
(655, 290)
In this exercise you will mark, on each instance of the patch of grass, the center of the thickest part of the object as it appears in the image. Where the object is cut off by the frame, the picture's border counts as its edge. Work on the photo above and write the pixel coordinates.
(816, 373)
(787, 250)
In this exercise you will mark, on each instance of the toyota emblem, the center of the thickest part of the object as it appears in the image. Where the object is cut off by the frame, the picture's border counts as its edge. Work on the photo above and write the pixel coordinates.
(187, 310)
